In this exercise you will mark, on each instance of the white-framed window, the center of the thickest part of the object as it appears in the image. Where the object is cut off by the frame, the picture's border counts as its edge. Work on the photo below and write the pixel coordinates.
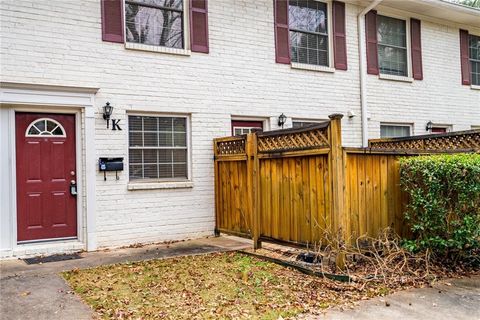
(156, 23)
(238, 131)
(309, 32)
(474, 55)
(395, 130)
(392, 36)
(45, 127)
(158, 147)
(305, 123)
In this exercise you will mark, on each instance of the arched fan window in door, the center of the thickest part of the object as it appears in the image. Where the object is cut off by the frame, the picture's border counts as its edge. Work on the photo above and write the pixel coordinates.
(45, 127)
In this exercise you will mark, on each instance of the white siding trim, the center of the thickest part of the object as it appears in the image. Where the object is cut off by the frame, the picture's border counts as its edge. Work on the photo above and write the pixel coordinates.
(146, 47)
(159, 185)
(394, 78)
(312, 67)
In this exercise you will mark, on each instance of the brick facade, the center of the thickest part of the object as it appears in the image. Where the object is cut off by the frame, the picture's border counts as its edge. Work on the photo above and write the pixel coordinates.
(59, 42)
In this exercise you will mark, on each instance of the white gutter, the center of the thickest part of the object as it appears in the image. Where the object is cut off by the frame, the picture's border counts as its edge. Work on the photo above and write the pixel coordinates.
(363, 71)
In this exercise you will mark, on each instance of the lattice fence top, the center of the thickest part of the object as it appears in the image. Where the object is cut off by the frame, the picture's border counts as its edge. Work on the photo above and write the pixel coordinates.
(294, 139)
(460, 140)
(231, 146)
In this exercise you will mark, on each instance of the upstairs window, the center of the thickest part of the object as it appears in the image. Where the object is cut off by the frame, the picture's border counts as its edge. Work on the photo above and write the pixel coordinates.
(308, 32)
(392, 46)
(474, 55)
(155, 22)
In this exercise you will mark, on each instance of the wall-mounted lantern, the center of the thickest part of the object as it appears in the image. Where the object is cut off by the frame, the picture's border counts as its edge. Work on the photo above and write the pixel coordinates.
(281, 120)
(429, 126)
(107, 112)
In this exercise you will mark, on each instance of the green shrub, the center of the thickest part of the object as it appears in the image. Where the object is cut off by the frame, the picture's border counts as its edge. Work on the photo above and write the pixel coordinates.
(444, 203)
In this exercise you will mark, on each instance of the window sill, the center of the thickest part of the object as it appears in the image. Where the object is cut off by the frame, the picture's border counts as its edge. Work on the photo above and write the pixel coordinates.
(475, 87)
(159, 185)
(311, 67)
(395, 78)
(150, 48)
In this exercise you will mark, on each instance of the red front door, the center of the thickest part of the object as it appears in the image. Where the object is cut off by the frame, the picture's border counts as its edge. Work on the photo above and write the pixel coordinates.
(45, 145)
(439, 130)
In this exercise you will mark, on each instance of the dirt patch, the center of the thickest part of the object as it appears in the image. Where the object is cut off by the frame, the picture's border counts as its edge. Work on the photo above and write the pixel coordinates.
(225, 285)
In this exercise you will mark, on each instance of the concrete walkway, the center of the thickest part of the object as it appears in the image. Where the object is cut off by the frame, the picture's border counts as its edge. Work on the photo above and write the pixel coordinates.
(455, 299)
(38, 292)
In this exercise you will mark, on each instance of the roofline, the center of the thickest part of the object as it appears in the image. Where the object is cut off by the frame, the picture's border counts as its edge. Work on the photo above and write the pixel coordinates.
(456, 6)
(455, 13)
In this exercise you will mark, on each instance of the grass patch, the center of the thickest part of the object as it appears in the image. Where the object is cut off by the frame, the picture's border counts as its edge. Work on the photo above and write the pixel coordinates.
(224, 286)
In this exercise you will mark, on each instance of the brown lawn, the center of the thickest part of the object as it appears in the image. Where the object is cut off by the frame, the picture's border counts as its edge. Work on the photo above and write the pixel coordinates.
(221, 286)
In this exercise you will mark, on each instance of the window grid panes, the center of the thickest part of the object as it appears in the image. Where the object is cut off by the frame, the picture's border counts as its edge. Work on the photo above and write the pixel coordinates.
(155, 22)
(238, 131)
(474, 54)
(392, 46)
(308, 32)
(394, 131)
(157, 147)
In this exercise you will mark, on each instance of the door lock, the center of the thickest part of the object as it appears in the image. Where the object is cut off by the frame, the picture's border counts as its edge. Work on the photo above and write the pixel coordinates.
(73, 188)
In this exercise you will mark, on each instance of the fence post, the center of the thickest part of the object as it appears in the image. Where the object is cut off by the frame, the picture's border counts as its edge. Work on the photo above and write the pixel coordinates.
(216, 177)
(253, 185)
(336, 162)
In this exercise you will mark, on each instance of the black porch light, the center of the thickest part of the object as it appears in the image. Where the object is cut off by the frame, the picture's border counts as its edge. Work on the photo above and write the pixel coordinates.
(107, 111)
(281, 120)
(429, 126)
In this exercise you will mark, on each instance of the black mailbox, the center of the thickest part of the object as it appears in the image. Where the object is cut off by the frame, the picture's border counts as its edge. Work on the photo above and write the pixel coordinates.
(110, 164)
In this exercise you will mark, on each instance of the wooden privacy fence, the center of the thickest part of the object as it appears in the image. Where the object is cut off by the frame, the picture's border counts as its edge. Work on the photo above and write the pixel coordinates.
(297, 185)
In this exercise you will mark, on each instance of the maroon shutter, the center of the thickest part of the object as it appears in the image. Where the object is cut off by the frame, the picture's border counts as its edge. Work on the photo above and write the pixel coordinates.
(464, 57)
(371, 37)
(282, 37)
(112, 20)
(199, 25)
(416, 39)
(339, 35)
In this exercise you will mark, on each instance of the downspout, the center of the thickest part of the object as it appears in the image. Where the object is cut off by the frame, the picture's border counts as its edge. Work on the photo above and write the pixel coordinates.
(363, 72)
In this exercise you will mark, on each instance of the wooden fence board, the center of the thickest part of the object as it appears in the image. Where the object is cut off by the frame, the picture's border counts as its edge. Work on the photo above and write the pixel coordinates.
(383, 191)
(313, 199)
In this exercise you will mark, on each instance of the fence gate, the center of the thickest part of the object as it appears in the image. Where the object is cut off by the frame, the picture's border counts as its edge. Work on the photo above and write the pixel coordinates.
(277, 185)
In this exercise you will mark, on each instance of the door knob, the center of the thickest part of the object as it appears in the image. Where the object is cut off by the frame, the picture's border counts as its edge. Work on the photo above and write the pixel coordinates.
(72, 173)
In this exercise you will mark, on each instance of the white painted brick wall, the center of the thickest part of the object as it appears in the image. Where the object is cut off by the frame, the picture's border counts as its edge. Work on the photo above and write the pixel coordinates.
(58, 42)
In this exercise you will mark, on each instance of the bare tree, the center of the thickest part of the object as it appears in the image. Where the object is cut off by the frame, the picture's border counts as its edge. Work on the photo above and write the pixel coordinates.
(169, 18)
(470, 3)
